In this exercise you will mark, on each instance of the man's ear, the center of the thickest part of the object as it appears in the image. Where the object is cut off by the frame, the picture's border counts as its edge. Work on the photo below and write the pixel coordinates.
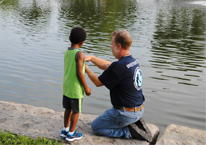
(119, 45)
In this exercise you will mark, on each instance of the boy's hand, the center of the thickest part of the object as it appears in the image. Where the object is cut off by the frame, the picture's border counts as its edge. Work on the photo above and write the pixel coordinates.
(88, 91)
(88, 58)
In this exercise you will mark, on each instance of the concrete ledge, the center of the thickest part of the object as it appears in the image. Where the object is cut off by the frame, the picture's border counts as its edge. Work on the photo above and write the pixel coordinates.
(180, 135)
(38, 121)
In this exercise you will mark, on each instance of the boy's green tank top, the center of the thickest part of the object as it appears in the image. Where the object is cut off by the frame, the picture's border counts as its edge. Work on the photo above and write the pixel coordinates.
(72, 87)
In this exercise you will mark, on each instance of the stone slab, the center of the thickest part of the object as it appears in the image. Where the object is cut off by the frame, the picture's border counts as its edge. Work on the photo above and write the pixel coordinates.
(180, 135)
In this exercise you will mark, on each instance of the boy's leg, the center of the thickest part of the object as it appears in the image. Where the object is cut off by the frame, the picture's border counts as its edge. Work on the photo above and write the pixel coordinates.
(74, 120)
(67, 113)
(67, 117)
(76, 109)
(76, 105)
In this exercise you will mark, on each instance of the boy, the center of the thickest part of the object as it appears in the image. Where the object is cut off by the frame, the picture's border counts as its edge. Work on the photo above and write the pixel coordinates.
(74, 84)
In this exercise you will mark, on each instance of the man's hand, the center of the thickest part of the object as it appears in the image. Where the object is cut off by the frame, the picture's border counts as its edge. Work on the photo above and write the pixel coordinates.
(93, 77)
(86, 68)
(100, 63)
(88, 58)
(88, 91)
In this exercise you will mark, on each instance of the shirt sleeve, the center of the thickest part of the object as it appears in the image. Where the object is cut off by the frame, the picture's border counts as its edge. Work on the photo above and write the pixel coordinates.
(109, 78)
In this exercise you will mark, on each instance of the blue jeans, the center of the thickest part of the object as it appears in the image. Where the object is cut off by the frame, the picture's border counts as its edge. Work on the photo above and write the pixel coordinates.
(113, 122)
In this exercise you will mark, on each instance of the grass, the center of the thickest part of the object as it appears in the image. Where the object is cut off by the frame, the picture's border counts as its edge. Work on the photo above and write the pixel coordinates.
(11, 139)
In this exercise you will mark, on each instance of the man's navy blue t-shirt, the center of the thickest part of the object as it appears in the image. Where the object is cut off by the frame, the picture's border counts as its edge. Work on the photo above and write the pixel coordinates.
(124, 80)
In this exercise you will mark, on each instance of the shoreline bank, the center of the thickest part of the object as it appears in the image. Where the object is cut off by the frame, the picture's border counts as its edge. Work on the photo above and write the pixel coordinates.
(33, 121)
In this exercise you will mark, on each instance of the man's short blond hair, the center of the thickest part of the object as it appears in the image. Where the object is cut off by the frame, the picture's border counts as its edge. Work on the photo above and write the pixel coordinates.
(123, 37)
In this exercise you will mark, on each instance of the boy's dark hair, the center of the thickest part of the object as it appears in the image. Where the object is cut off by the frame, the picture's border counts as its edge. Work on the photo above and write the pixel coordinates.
(77, 35)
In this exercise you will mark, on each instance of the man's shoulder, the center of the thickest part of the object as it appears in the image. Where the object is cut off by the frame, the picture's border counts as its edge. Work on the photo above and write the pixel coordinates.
(123, 62)
(118, 67)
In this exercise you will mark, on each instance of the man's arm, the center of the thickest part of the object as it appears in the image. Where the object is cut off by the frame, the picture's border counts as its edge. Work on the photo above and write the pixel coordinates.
(100, 63)
(93, 77)
(80, 75)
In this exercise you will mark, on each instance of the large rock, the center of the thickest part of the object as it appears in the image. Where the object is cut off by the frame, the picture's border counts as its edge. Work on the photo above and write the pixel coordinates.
(180, 135)
(38, 121)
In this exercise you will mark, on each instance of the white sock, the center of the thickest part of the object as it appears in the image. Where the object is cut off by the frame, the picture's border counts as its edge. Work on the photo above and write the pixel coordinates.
(71, 133)
(66, 128)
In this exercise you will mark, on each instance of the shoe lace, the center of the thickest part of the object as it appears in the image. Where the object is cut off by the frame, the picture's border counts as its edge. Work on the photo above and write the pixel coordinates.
(77, 133)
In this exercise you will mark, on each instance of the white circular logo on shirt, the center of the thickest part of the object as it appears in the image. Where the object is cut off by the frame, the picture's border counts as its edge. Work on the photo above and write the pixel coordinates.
(138, 78)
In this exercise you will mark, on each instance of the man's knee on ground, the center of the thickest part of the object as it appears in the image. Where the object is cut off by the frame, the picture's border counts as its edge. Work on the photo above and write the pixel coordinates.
(94, 126)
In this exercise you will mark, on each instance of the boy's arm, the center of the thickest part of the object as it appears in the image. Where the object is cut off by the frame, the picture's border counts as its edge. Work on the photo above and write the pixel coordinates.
(93, 77)
(80, 75)
(100, 63)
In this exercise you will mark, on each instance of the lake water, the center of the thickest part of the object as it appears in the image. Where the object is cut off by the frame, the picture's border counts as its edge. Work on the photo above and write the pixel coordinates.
(169, 42)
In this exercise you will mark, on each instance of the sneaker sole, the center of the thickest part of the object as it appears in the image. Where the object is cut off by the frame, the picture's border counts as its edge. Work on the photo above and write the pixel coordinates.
(62, 135)
(145, 126)
(149, 134)
(73, 139)
(141, 133)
